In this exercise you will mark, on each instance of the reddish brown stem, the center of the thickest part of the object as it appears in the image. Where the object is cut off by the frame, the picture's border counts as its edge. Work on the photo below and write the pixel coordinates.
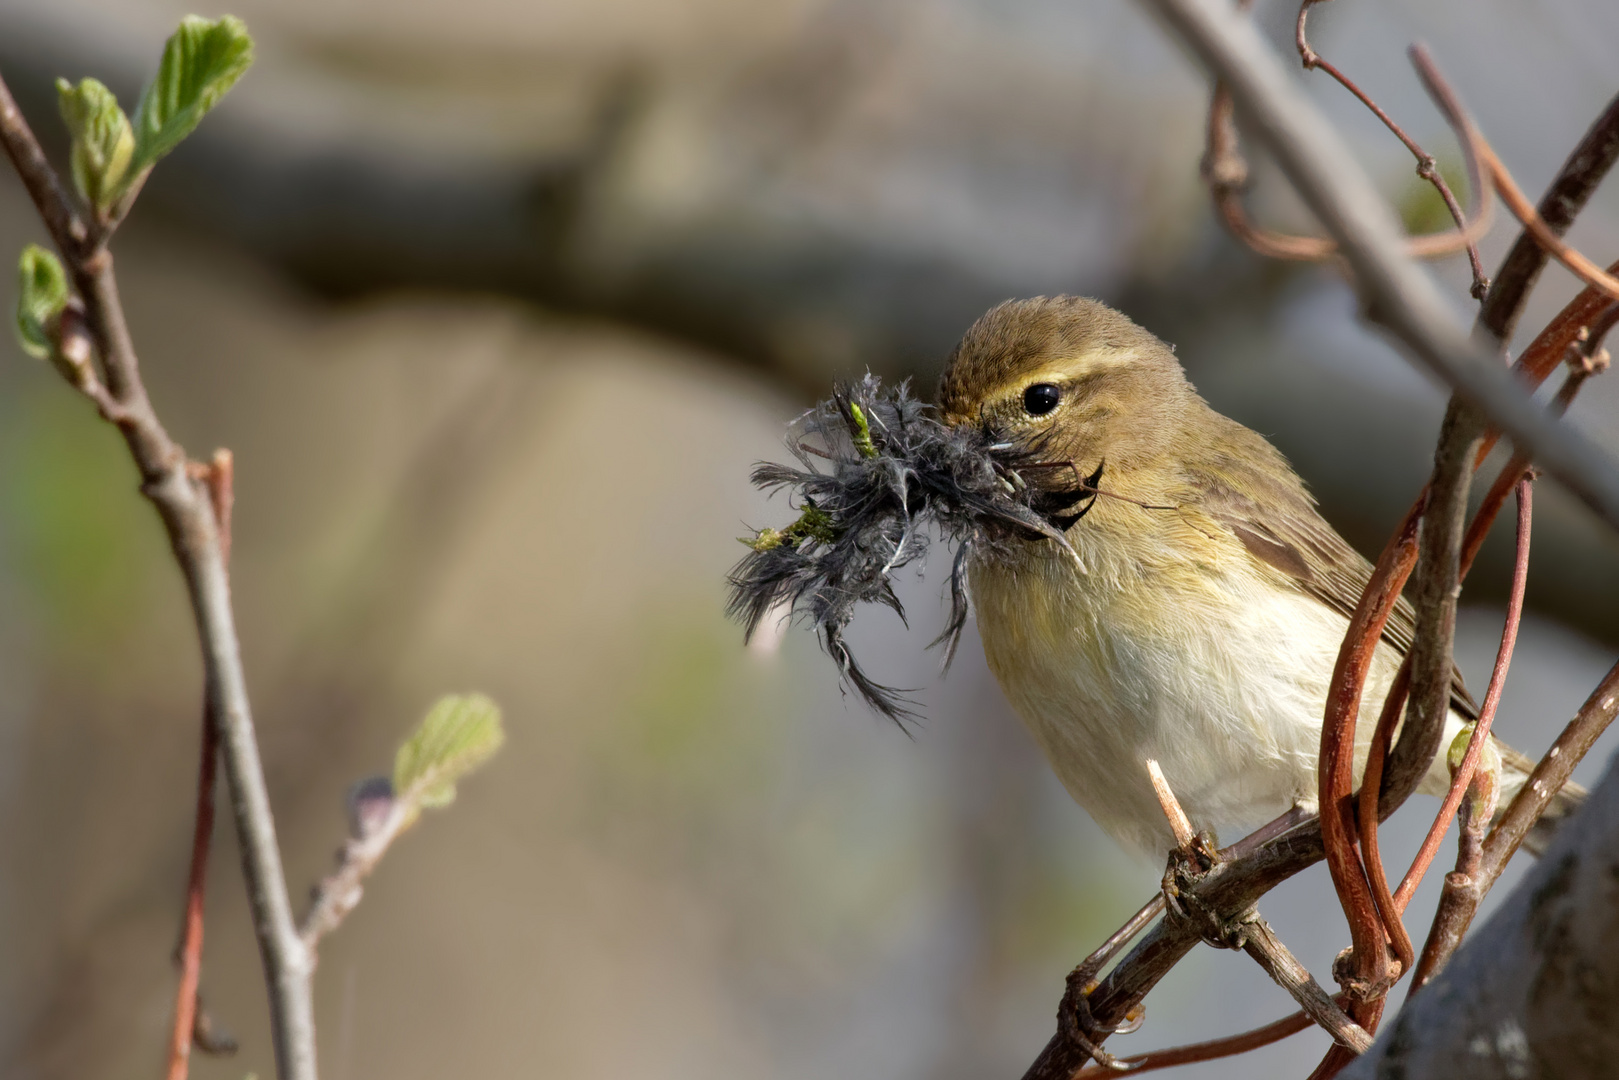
(1367, 806)
(1427, 167)
(219, 478)
(1230, 1046)
(1514, 471)
(1486, 713)
(1338, 825)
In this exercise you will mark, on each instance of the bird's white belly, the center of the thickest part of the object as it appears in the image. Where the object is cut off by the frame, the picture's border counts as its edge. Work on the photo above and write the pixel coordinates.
(1224, 685)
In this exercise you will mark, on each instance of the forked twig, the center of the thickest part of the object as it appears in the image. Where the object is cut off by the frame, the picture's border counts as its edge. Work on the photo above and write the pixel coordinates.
(1502, 181)
(1427, 167)
(1255, 937)
(183, 504)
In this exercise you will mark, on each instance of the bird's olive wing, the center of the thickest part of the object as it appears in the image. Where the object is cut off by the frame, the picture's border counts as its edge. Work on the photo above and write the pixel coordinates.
(1259, 498)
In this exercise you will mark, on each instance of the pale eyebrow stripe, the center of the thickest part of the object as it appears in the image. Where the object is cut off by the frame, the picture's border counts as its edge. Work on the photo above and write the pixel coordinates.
(1064, 371)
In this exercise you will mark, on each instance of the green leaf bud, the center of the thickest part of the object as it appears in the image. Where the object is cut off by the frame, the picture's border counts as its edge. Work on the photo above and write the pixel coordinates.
(103, 143)
(41, 296)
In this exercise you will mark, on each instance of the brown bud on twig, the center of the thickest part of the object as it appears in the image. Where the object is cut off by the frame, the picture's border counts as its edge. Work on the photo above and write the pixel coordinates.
(74, 347)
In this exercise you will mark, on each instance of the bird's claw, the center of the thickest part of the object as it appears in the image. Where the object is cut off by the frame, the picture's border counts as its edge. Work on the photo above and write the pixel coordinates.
(1187, 866)
(1080, 1026)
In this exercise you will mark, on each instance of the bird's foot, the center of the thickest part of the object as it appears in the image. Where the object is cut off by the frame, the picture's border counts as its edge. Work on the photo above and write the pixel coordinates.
(1080, 1026)
(1187, 866)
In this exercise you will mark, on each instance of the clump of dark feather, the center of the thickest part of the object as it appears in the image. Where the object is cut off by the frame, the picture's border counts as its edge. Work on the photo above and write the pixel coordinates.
(879, 470)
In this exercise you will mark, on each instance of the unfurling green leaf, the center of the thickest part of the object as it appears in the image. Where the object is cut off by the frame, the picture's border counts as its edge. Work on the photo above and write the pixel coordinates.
(201, 61)
(41, 296)
(103, 143)
(459, 734)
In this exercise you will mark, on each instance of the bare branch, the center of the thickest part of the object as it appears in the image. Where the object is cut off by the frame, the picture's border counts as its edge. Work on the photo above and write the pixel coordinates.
(1454, 913)
(1230, 1046)
(44, 187)
(1564, 199)
(1549, 777)
(1427, 167)
(1395, 293)
(377, 818)
(1265, 947)
(1502, 181)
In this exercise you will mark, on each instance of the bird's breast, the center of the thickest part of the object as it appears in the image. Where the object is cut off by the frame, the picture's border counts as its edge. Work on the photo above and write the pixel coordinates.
(1167, 646)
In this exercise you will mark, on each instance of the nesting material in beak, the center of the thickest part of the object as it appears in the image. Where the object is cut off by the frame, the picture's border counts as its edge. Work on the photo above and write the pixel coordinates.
(878, 469)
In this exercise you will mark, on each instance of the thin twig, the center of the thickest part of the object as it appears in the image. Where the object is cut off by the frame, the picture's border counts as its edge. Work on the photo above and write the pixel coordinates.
(1464, 891)
(1230, 1046)
(1505, 186)
(1179, 824)
(1486, 714)
(194, 536)
(219, 476)
(1225, 172)
(1395, 293)
(1265, 947)
(377, 819)
(1389, 906)
(1577, 330)
(1548, 778)
(1371, 971)
(1565, 197)
(44, 187)
(1427, 167)
(1516, 468)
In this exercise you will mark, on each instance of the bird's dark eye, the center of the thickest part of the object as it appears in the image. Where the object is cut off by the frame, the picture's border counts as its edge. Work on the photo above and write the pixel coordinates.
(1041, 398)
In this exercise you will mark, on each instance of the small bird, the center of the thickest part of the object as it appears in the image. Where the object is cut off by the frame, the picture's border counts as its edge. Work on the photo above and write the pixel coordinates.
(1201, 620)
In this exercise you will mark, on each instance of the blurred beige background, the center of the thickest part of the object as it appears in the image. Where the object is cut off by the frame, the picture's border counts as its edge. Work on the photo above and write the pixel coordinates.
(496, 304)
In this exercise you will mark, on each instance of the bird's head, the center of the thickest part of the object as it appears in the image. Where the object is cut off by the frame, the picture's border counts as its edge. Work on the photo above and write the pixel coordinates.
(1067, 379)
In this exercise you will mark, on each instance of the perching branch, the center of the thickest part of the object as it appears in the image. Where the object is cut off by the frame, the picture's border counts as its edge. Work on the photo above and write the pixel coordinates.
(1248, 931)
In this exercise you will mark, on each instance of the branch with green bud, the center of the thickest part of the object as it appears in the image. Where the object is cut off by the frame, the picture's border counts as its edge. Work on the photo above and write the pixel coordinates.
(68, 313)
(459, 734)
